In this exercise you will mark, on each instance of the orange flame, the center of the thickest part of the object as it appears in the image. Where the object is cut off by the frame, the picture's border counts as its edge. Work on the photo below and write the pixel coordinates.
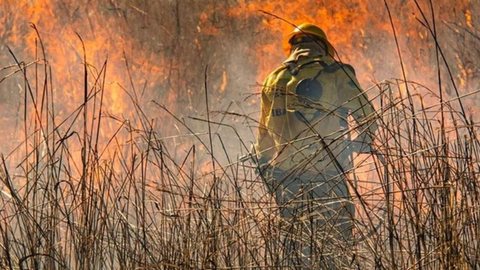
(211, 33)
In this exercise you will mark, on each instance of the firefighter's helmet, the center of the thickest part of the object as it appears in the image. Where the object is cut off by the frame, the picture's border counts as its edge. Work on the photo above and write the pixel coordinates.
(310, 30)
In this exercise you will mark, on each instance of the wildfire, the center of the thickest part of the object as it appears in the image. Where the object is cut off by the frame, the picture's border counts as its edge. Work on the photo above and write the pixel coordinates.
(360, 31)
(64, 28)
(95, 98)
(165, 56)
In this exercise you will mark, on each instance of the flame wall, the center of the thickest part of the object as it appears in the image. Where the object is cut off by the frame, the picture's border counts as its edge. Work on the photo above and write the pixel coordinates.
(168, 45)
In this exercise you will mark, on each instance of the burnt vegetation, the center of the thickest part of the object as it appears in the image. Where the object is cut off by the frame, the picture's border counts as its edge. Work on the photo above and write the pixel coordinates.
(160, 186)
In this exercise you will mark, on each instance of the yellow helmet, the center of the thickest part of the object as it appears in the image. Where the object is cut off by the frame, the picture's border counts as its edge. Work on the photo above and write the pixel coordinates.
(309, 29)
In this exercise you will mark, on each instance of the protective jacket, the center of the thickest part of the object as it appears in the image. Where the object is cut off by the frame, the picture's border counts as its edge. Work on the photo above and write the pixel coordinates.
(304, 108)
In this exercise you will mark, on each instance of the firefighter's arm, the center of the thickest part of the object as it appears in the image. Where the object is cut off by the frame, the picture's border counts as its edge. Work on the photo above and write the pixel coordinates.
(264, 146)
(357, 102)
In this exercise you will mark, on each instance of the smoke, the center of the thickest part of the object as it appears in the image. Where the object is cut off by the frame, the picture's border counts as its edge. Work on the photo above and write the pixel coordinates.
(161, 50)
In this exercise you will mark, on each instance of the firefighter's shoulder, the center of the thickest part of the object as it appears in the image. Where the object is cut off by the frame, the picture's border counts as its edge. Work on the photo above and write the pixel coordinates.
(272, 76)
(277, 71)
(340, 67)
(345, 76)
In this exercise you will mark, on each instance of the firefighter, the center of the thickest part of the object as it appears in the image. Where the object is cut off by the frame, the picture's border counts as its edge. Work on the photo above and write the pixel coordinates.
(303, 147)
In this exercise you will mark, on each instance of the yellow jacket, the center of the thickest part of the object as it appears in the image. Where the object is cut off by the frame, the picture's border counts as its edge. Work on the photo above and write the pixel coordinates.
(296, 116)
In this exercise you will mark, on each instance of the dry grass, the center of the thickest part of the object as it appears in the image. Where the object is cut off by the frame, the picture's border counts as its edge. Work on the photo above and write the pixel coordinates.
(75, 197)
(75, 202)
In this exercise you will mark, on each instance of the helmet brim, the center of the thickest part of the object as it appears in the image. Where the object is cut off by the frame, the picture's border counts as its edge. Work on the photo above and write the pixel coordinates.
(287, 46)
